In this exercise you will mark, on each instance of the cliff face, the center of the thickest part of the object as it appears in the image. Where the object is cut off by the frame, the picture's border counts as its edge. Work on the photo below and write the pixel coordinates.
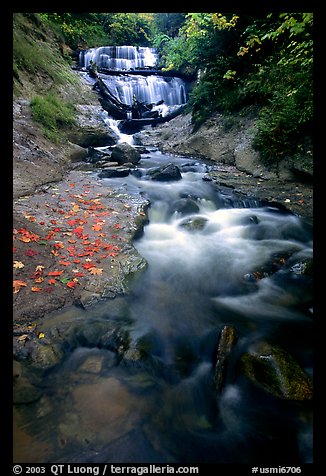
(220, 141)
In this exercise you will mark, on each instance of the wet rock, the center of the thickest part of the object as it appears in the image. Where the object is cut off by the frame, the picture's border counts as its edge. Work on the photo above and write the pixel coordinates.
(94, 155)
(45, 356)
(196, 223)
(185, 206)
(277, 372)
(227, 340)
(303, 268)
(124, 153)
(166, 173)
(25, 392)
(114, 172)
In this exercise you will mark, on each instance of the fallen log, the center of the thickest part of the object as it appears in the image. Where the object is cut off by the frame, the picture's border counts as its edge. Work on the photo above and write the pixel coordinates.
(131, 126)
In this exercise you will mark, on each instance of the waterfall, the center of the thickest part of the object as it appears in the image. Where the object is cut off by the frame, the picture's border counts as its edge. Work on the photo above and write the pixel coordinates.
(148, 89)
(119, 57)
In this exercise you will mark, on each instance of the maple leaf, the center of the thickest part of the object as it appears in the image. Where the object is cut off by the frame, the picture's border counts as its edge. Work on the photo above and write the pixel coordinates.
(25, 239)
(71, 284)
(39, 268)
(51, 281)
(30, 253)
(17, 284)
(88, 265)
(97, 227)
(39, 280)
(79, 274)
(35, 289)
(55, 273)
(64, 263)
(95, 270)
(18, 264)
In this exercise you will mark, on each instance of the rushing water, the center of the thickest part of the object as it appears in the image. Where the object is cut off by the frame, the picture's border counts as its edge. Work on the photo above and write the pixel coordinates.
(146, 89)
(158, 404)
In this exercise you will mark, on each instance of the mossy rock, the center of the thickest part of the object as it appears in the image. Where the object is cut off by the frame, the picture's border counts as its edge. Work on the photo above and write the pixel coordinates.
(277, 372)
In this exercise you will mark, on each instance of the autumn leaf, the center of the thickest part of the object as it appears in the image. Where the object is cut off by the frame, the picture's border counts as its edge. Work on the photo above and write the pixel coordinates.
(30, 253)
(88, 265)
(51, 281)
(79, 274)
(39, 280)
(25, 239)
(97, 227)
(17, 284)
(64, 263)
(39, 268)
(36, 289)
(71, 284)
(95, 270)
(18, 264)
(40, 335)
(55, 273)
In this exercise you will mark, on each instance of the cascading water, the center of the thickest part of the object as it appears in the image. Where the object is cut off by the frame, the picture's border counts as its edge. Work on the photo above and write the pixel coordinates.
(119, 57)
(135, 384)
(146, 89)
(156, 402)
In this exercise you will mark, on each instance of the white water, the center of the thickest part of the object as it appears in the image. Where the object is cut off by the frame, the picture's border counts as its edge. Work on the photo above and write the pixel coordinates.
(120, 57)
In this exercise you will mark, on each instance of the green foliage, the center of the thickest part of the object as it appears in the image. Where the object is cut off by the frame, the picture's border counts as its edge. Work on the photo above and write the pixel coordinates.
(53, 114)
(32, 52)
(263, 61)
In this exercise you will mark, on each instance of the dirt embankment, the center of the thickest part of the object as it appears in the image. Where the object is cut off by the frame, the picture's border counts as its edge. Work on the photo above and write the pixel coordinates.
(72, 236)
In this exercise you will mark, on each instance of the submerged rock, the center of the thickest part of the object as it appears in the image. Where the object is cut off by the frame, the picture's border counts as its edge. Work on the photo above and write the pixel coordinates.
(185, 206)
(196, 223)
(276, 371)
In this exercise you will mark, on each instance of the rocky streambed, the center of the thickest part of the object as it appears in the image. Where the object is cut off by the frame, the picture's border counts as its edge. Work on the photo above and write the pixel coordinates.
(194, 348)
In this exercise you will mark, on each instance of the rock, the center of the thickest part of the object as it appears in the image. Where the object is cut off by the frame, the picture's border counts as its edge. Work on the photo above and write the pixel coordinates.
(25, 392)
(196, 223)
(166, 173)
(114, 172)
(45, 356)
(76, 153)
(227, 340)
(94, 155)
(185, 206)
(98, 136)
(124, 153)
(273, 369)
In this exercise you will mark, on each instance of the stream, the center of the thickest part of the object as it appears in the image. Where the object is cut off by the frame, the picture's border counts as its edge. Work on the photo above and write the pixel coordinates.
(136, 383)
(157, 403)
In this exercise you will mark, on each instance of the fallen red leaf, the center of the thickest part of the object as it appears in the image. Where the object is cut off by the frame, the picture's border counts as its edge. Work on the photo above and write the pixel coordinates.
(51, 281)
(71, 284)
(36, 289)
(55, 273)
(65, 263)
(17, 284)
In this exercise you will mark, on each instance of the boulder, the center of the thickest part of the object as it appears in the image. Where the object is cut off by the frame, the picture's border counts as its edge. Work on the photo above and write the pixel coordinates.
(185, 206)
(277, 372)
(166, 173)
(124, 153)
(196, 223)
(76, 153)
(114, 172)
